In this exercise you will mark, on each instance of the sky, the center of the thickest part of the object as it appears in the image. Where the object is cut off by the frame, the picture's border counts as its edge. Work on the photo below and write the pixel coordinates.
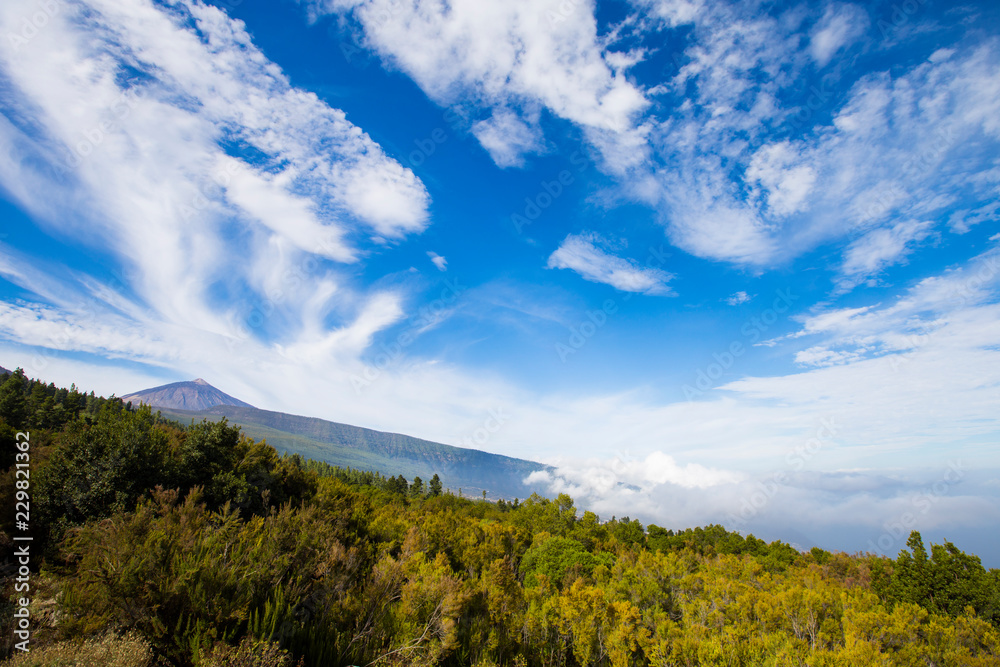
(715, 262)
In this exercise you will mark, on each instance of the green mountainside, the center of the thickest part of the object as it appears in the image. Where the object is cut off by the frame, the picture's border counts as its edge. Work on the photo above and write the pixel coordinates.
(343, 445)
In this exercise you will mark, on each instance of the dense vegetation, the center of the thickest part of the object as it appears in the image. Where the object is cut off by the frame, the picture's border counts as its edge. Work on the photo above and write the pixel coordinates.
(195, 545)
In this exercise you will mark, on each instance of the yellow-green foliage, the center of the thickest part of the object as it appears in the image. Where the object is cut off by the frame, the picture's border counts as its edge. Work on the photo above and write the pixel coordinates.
(249, 653)
(110, 650)
(317, 566)
(358, 577)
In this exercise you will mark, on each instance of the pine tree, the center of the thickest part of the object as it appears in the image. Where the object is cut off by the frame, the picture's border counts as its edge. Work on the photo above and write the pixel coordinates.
(435, 485)
(13, 406)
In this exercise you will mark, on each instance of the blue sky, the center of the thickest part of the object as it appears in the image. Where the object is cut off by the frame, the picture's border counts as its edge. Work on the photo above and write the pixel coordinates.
(717, 262)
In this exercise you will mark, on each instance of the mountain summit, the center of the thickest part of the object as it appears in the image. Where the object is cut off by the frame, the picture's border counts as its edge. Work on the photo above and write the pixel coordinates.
(192, 395)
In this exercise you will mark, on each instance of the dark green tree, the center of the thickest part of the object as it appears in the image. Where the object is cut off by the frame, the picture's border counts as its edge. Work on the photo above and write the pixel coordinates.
(435, 485)
(556, 557)
(13, 405)
(946, 582)
(397, 484)
(102, 470)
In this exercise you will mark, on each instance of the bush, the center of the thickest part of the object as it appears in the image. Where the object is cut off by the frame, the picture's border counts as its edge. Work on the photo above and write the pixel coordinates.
(555, 558)
(110, 650)
(249, 653)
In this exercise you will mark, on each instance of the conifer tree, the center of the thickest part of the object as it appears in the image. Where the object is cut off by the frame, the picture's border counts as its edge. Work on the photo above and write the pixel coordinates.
(435, 485)
(13, 406)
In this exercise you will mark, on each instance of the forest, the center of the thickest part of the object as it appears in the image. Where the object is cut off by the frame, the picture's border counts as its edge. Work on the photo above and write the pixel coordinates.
(159, 543)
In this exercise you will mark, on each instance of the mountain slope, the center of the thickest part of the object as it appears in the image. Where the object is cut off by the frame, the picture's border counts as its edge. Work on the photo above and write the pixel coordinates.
(4, 371)
(390, 454)
(194, 395)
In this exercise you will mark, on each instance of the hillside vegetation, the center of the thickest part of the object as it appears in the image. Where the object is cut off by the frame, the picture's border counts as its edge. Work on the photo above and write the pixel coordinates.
(159, 544)
(345, 446)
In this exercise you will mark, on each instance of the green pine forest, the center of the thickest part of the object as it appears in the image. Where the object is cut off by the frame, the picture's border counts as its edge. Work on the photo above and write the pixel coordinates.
(157, 543)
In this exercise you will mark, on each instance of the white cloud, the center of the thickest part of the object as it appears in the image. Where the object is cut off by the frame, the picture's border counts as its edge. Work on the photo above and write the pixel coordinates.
(799, 506)
(786, 183)
(728, 191)
(821, 356)
(941, 54)
(877, 249)
(673, 12)
(267, 199)
(600, 478)
(510, 59)
(738, 298)
(440, 262)
(705, 157)
(914, 386)
(139, 167)
(910, 374)
(586, 254)
(841, 25)
(962, 220)
(727, 231)
(508, 138)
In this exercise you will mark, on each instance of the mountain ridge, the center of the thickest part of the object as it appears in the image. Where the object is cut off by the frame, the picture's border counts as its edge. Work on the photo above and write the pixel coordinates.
(188, 395)
(345, 445)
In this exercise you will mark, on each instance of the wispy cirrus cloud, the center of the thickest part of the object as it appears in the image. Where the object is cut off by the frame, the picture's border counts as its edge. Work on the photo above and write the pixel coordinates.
(841, 24)
(195, 177)
(867, 255)
(588, 255)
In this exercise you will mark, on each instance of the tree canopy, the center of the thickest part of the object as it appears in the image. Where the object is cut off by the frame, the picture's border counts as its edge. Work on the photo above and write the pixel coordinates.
(194, 545)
